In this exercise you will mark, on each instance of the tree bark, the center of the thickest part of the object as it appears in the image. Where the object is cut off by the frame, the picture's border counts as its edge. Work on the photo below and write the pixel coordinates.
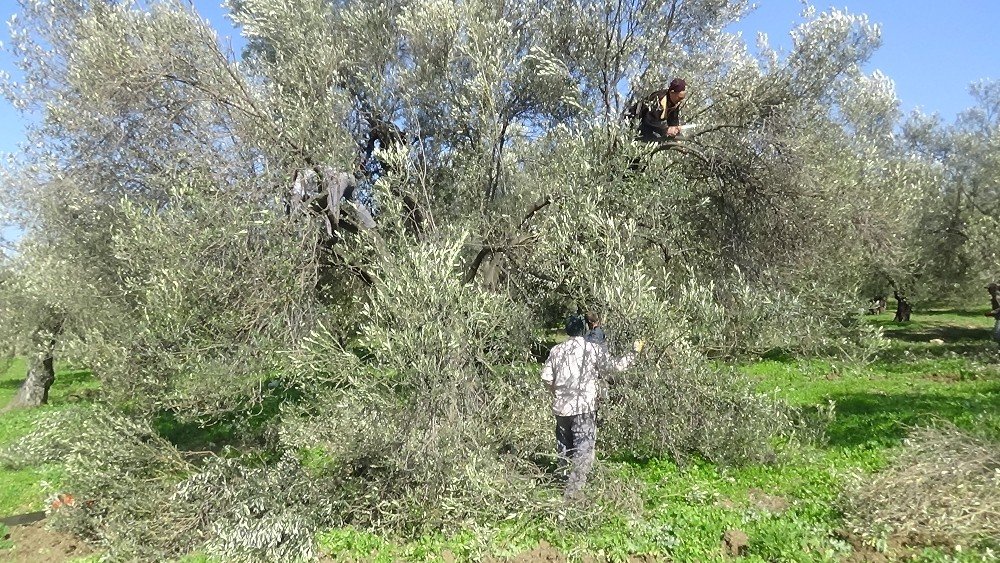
(903, 308)
(487, 252)
(35, 389)
(41, 369)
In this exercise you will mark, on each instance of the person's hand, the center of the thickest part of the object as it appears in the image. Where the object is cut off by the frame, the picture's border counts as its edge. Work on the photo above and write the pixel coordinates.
(638, 345)
(673, 131)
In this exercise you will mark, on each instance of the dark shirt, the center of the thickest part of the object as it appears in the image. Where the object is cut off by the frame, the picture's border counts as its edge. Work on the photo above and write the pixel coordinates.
(654, 112)
(597, 336)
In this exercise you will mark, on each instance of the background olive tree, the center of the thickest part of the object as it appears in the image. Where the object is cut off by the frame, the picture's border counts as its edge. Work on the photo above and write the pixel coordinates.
(951, 249)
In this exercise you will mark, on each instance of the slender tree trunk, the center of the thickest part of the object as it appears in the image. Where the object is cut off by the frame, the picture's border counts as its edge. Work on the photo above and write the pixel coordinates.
(903, 308)
(41, 375)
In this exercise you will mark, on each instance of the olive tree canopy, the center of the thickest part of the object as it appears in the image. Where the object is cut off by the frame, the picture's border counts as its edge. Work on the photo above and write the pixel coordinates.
(369, 216)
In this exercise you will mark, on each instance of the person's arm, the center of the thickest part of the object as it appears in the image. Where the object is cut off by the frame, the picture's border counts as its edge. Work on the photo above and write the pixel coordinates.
(673, 118)
(548, 376)
(608, 362)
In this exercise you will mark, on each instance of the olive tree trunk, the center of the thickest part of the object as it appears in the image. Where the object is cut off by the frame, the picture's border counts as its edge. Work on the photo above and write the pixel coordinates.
(903, 308)
(41, 374)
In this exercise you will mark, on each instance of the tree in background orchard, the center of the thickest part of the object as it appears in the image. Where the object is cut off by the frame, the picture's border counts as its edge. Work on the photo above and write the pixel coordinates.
(949, 245)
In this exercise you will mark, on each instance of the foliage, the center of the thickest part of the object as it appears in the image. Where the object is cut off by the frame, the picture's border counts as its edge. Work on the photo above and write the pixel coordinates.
(137, 495)
(952, 241)
(211, 294)
(788, 509)
(435, 427)
(943, 488)
(356, 229)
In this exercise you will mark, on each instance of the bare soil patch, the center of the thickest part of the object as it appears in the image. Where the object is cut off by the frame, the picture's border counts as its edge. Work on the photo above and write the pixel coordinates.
(543, 553)
(35, 542)
(735, 543)
(769, 503)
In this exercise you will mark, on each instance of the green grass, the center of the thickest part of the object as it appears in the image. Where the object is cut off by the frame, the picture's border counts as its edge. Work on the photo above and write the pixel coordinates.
(788, 510)
(23, 490)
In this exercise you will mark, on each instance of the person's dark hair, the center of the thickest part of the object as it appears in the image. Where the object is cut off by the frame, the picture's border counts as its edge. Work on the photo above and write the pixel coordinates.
(592, 318)
(677, 85)
(575, 326)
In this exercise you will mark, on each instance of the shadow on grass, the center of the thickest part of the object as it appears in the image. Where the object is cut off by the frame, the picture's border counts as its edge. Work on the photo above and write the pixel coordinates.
(884, 418)
(946, 333)
(73, 377)
(970, 313)
(194, 436)
(63, 379)
(241, 429)
(780, 355)
(900, 360)
(912, 342)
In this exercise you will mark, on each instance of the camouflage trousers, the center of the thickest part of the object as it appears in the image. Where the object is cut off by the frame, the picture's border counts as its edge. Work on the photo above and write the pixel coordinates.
(576, 437)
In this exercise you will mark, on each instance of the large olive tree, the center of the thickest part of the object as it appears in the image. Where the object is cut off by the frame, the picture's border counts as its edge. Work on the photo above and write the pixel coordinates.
(367, 218)
(948, 246)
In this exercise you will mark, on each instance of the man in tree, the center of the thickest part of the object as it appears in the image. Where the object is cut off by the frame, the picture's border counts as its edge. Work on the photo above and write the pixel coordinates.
(571, 374)
(659, 113)
(994, 290)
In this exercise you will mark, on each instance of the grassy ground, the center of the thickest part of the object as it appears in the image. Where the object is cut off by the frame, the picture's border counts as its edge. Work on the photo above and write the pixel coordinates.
(788, 510)
(24, 490)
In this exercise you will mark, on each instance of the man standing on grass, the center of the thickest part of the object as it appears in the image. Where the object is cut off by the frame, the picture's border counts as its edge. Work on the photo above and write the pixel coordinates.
(571, 374)
(994, 290)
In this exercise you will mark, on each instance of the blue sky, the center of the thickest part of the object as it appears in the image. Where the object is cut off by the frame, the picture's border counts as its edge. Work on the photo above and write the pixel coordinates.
(932, 50)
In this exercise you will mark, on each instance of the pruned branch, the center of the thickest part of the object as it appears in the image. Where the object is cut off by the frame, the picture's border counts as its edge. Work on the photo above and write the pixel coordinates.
(512, 240)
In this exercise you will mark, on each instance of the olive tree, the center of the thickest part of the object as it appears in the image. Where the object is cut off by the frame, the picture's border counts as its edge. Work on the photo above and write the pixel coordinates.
(360, 226)
(31, 327)
(950, 248)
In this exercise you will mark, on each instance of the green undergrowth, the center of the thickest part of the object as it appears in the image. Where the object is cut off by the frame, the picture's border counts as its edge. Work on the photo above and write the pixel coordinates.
(24, 490)
(788, 510)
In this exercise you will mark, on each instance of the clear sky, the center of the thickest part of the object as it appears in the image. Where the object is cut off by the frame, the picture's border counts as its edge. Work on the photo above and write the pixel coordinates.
(932, 50)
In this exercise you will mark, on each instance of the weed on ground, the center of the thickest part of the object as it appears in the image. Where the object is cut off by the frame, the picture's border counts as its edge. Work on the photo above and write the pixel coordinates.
(939, 368)
(788, 510)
